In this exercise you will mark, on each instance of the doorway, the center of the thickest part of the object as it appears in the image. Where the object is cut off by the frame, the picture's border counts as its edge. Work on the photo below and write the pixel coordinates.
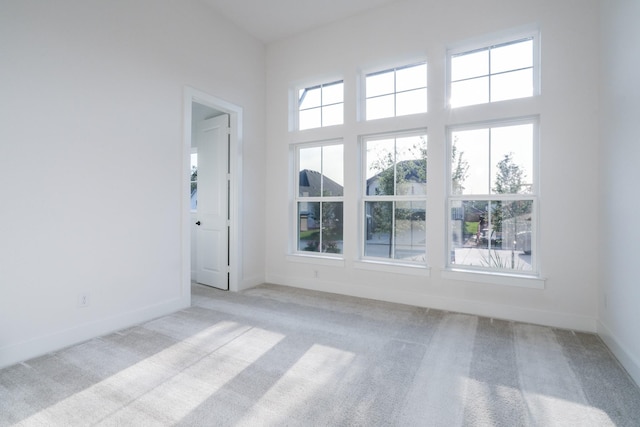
(210, 203)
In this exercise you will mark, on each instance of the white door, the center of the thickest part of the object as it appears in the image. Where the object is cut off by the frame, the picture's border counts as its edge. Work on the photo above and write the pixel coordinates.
(212, 231)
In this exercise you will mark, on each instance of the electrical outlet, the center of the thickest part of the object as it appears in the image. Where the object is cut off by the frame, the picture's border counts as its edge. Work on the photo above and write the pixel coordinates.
(83, 300)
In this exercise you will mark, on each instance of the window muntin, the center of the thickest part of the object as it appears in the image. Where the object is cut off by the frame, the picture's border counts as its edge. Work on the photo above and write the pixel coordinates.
(494, 73)
(320, 106)
(319, 198)
(396, 92)
(492, 198)
(395, 197)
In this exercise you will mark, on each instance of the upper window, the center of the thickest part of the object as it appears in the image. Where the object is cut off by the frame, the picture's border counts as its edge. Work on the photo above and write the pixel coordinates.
(319, 198)
(493, 73)
(395, 197)
(492, 197)
(396, 92)
(320, 106)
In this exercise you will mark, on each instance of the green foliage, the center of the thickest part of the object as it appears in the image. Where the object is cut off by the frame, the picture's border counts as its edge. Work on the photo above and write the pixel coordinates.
(459, 170)
(471, 228)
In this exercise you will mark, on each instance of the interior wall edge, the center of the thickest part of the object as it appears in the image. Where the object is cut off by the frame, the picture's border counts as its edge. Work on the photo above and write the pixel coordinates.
(39, 346)
(559, 320)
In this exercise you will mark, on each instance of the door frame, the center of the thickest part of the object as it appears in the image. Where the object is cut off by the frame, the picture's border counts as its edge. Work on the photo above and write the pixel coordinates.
(235, 167)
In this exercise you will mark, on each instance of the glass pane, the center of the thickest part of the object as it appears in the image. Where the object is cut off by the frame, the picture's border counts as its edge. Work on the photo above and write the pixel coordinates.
(379, 84)
(468, 65)
(512, 220)
(470, 92)
(310, 162)
(513, 56)
(333, 93)
(309, 98)
(309, 119)
(380, 162)
(411, 78)
(333, 115)
(378, 223)
(380, 107)
(410, 231)
(472, 146)
(194, 181)
(412, 102)
(309, 226)
(411, 165)
(332, 170)
(332, 221)
(517, 84)
(512, 159)
(492, 235)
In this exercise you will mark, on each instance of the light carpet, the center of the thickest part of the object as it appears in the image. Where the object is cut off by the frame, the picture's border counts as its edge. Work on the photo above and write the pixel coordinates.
(279, 356)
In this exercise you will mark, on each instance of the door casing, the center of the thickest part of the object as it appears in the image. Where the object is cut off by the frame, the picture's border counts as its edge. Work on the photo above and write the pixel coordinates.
(235, 112)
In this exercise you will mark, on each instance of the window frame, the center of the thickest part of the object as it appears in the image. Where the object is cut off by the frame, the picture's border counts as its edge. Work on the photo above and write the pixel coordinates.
(372, 72)
(297, 199)
(297, 104)
(384, 263)
(533, 195)
(490, 43)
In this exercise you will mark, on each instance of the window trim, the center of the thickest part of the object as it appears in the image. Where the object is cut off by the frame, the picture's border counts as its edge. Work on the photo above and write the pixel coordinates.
(488, 42)
(296, 198)
(383, 264)
(464, 272)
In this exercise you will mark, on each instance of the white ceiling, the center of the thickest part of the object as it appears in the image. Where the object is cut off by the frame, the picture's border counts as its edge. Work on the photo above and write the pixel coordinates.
(270, 20)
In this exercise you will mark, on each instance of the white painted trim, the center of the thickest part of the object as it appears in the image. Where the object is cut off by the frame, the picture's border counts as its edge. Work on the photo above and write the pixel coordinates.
(422, 299)
(626, 359)
(235, 112)
(35, 347)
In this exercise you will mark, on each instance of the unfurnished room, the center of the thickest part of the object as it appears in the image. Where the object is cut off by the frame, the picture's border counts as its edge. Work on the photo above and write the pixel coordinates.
(347, 212)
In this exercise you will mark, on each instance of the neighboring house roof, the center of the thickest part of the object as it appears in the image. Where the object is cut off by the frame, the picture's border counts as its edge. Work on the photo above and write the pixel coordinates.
(310, 183)
(411, 170)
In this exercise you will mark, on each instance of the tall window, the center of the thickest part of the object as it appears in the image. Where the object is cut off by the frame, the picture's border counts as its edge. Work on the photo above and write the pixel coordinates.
(492, 197)
(395, 197)
(319, 198)
(396, 92)
(320, 106)
(493, 73)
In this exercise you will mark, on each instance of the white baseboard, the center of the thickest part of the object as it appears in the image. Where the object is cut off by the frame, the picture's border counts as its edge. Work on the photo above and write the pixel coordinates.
(496, 311)
(39, 346)
(628, 360)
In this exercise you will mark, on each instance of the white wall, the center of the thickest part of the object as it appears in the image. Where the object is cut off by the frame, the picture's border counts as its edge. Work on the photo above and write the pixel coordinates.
(413, 30)
(619, 297)
(91, 172)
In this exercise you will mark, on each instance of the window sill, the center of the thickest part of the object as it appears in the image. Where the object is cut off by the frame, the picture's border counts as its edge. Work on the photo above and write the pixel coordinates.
(531, 282)
(409, 269)
(316, 260)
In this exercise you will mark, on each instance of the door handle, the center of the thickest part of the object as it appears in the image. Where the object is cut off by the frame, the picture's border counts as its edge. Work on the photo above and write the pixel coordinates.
(198, 223)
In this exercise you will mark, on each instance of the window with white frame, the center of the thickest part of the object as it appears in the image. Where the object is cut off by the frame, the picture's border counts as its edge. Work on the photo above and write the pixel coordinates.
(493, 73)
(319, 197)
(493, 196)
(394, 201)
(321, 105)
(396, 92)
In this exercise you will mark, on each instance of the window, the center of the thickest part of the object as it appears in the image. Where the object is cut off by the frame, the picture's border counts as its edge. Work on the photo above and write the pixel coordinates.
(492, 197)
(395, 197)
(494, 73)
(319, 198)
(396, 92)
(194, 181)
(321, 106)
